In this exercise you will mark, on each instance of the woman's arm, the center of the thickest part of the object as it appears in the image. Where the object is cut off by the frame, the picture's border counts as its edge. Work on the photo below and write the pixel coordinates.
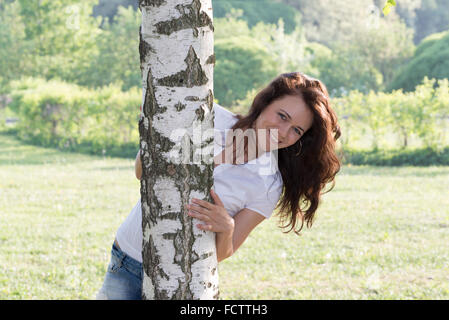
(231, 232)
(244, 222)
(138, 166)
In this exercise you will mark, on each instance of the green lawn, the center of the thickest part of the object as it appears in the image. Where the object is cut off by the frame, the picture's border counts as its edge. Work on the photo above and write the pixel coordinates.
(382, 233)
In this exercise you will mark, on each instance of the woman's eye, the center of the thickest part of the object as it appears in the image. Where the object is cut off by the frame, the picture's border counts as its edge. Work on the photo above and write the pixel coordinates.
(297, 131)
(283, 117)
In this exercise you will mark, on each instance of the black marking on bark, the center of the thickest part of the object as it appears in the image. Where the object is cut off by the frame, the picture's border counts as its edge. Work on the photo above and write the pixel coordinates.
(183, 243)
(211, 59)
(207, 142)
(192, 17)
(170, 216)
(151, 107)
(191, 98)
(200, 113)
(154, 144)
(192, 76)
(210, 100)
(169, 236)
(186, 246)
(151, 3)
(195, 256)
(153, 269)
(144, 49)
(206, 255)
(179, 106)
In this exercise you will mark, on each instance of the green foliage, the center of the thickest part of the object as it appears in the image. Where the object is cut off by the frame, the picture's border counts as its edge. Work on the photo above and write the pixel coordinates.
(429, 41)
(109, 8)
(117, 56)
(431, 59)
(241, 64)
(56, 39)
(397, 157)
(14, 48)
(430, 17)
(5, 113)
(248, 58)
(55, 113)
(422, 114)
(63, 36)
(253, 12)
(343, 71)
(369, 60)
(388, 5)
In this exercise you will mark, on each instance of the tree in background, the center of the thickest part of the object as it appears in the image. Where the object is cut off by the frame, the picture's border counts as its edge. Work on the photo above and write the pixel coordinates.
(330, 21)
(430, 59)
(242, 63)
(63, 36)
(253, 12)
(247, 58)
(109, 8)
(424, 16)
(14, 47)
(365, 48)
(116, 58)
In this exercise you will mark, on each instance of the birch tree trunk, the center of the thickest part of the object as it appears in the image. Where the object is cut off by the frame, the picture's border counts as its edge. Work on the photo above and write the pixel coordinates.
(176, 56)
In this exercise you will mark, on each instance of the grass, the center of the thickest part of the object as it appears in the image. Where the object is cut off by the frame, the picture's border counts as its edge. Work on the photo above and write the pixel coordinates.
(380, 234)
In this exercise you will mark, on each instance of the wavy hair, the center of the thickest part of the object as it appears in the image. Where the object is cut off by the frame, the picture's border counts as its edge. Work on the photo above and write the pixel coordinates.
(309, 164)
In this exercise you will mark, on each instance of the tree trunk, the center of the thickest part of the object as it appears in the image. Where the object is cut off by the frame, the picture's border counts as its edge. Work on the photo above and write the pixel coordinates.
(176, 55)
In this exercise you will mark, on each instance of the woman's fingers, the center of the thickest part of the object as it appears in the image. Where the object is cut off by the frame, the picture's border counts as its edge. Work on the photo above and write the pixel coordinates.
(198, 209)
(199, 216)
(206, 227)
(203, 203)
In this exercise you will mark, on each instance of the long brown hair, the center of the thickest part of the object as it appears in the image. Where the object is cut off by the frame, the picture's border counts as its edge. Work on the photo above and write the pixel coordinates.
(309, 164)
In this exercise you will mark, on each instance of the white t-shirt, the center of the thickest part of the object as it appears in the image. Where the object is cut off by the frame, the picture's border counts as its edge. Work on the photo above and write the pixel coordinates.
(256, 185)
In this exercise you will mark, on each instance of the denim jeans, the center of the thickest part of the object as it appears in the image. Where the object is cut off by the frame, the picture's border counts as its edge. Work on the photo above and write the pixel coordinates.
(123, 280)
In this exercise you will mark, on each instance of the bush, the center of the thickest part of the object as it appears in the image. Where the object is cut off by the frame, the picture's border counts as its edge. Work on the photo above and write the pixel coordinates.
(397, 157)
(422, 113)
(242, 63)
(267, 11)
(431, 59)
(68, 116)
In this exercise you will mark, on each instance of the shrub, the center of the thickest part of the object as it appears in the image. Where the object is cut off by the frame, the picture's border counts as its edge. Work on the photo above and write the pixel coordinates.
(68, 116)
(431, 59)
(396, 157)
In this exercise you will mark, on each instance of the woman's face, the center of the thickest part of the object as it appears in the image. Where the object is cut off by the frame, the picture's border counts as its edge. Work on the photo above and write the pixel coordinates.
(285, 120)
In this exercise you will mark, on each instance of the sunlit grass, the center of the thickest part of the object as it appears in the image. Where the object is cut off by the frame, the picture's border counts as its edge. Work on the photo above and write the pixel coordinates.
(380, 234)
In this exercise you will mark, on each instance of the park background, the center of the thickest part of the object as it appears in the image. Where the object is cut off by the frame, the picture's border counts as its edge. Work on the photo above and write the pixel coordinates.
(70, 93)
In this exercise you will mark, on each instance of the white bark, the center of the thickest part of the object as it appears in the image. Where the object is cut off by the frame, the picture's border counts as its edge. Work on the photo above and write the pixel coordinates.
(176, 49)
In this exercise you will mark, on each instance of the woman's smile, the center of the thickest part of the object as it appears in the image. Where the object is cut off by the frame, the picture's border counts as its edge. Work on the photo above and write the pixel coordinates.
(285, 121)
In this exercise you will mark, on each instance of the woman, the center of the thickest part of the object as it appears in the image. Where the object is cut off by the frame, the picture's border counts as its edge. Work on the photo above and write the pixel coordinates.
(291, 118)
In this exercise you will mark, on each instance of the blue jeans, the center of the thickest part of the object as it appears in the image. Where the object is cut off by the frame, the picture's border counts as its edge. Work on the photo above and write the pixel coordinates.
(123, 280)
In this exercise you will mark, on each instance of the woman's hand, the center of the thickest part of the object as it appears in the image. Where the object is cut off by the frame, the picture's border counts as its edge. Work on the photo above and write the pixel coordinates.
(138, 166)
(214, 216)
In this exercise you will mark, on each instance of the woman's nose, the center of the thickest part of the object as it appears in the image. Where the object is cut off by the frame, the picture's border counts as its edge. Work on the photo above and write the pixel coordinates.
(282, 132)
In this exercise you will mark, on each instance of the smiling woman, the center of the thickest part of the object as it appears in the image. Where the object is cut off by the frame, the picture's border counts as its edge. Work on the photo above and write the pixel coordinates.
(293, 130)
(297, 107)
(286, 120)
